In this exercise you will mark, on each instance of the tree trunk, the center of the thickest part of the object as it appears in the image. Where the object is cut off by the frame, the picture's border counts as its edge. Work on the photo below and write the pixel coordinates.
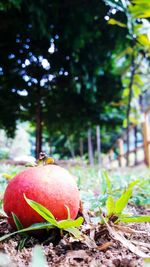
(81, 147)
(71, 148)
(90, 147)
(38, 147)
(98, 142)
(129, 104)
(50, 149)
(72, 151)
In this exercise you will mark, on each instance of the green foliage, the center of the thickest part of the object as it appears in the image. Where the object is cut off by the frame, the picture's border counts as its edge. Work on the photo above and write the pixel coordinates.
(140, 8)
(135, 219)
(115, 208)
(80, 82)
(17, 222)
(110, 206)
(134, 57)
(123, 200)
(87, 72)
(7, 4)
(34, 227)
(116, 22)
(19, 227)
(68, 225)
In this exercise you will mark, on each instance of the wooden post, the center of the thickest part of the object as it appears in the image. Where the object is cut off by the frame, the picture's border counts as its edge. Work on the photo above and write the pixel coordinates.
(90, 147)
(135, 145)
(98, 142)
(121, 152)
(111, 155)
(146, 137)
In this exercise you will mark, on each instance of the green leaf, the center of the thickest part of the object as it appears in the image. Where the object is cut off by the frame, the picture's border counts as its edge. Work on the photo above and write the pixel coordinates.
(40, 209)
(133, 183)
(116, 22)
(37, 226)
(138, 80)
(38, 258)
(17, 221)
(140, 9)
(65, 224)
(68, 210)
(135, 219)
(136, 90)
(126, 92)
(33, 227)
(74, 231)
(110, 205)
(144, 40)
(7, 176)
(125, 123)
(142, 2)
(48, 216)
(123, 201)
(106, 177)
(18, 224)
(22, 242)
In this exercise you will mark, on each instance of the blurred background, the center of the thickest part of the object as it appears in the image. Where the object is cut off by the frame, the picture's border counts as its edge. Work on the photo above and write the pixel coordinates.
(74, 80)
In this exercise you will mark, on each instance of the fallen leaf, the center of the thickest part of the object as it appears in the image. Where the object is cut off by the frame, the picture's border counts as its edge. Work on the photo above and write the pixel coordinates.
(118, 235)
(105, 246)
(130, 230)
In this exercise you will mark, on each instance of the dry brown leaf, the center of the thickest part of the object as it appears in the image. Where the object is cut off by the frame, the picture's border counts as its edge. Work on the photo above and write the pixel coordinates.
(129, 230)
(125, 229)
(105, 246)
(118, 235)
(126, 243)
(146, 245)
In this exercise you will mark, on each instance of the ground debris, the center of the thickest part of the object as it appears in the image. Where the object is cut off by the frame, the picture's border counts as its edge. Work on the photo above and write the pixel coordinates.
(96, 248)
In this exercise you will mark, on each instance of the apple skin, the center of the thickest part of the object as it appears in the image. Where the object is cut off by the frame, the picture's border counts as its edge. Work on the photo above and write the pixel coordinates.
(50, 185)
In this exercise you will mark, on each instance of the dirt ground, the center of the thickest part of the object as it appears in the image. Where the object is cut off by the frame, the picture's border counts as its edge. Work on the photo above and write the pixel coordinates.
(99, 249)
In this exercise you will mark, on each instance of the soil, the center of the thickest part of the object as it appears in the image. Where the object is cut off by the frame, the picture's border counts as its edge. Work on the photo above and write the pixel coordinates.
(99, 249)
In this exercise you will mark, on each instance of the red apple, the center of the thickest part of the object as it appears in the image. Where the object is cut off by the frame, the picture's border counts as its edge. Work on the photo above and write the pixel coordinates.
(50, 185)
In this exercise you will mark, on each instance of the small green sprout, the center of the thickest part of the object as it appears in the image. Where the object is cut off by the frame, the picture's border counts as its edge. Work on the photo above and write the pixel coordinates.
(115, 208)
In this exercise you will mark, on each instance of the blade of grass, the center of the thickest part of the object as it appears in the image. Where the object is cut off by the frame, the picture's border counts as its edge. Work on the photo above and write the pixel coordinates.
(17, 221)
(40, 209)
(136, 219)
(34, 227)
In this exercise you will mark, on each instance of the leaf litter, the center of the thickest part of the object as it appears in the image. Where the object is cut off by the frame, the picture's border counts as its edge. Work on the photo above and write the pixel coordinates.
(100, 245)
